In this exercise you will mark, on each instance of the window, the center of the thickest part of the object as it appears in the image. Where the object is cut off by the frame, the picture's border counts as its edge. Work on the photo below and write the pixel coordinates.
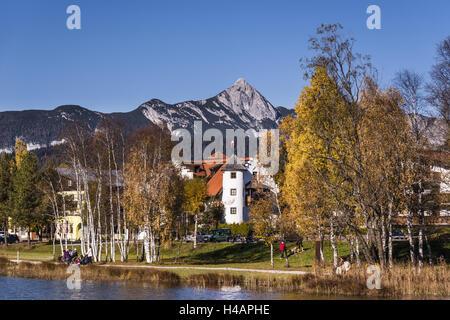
(233, 175)
(233, 192)
(233, 210)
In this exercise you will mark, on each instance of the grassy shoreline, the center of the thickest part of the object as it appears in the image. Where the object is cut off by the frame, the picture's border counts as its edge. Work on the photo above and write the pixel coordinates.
(401, 282)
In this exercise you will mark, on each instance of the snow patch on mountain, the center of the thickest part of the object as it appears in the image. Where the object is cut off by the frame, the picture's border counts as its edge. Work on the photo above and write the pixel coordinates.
(6, 150)
(240, 106)
(34, 146)
(57, 142)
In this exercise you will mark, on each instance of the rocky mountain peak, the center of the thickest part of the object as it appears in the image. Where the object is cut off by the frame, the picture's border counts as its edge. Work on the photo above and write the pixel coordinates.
(243, 98)
(242, 83)
(240, 106)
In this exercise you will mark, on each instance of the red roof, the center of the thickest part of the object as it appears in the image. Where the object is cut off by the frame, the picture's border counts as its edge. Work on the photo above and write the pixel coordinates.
(215, 179)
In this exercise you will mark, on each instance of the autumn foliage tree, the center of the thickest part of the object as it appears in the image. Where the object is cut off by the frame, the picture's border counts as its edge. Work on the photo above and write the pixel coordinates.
(195, 195)
(349, 165)
(151, 187)
(265, 220)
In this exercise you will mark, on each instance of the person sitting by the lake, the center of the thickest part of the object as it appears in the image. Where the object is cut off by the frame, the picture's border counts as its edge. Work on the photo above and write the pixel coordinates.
(344, 266)
(67, 256)
(282, 249)
(85, 260)
(78, 261)
(89, 255)
(74, 254)
(70, 255)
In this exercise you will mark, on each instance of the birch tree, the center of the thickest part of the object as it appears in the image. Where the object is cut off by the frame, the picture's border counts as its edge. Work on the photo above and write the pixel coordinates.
(439, 87)
(411, 86)
(148, 172)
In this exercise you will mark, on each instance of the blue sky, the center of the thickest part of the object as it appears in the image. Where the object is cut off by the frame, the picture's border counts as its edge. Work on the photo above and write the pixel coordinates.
(129, 52)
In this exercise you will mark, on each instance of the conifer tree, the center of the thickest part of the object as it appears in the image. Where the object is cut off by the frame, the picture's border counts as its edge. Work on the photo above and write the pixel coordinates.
(26, 199)
(6, 204)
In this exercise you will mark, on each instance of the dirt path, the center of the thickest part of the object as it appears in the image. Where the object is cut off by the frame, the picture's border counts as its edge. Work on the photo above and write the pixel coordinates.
(297, 272)
(212, 268)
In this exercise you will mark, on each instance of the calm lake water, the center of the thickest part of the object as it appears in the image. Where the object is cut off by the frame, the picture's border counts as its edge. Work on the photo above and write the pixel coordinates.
(36, 289)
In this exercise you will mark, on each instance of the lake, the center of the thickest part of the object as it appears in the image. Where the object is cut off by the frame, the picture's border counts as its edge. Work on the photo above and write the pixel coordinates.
(36, 289)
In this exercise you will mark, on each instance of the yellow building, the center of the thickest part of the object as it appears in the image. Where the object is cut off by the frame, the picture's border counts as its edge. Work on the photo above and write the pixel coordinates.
(71, 222)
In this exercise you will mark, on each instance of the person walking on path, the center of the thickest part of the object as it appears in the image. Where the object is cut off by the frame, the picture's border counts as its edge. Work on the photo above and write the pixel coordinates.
(282, 249)
(300, 243)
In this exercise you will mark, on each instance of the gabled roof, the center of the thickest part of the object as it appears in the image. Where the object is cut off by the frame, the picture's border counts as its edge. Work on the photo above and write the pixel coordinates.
(215, 183)
(233, 165)
(69, 173)
(255, 185)
(213, 167)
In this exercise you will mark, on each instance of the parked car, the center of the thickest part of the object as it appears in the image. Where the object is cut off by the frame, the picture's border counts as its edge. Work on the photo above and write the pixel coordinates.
(239, 239)
(190, 237)
(220, 235)
(207, 237)
(12, 238)
(200, 236)
(398, 235)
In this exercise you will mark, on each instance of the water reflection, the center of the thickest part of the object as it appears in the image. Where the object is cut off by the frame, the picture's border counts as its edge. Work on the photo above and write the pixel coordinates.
(36, 289)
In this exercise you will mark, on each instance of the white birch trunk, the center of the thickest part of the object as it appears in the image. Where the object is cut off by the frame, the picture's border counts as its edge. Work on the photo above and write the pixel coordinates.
(333, 243)
(106, 239)
(322, 259)
(152, 247)
(99, 222)
(358, 261)
(271, 254)
(121, 240)
(92, 233)
(112, 240)
(111, 203)
(421, 223)
(195, 231)
(390, 258)
(409, 226)
(146, 245)
(352, 249)
(383, 241)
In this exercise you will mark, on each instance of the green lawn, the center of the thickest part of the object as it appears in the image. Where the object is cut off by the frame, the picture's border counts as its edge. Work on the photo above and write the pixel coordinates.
(252, 255)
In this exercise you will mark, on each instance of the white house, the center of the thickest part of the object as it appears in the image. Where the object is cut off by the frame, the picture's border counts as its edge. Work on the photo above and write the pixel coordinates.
(232, 182)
